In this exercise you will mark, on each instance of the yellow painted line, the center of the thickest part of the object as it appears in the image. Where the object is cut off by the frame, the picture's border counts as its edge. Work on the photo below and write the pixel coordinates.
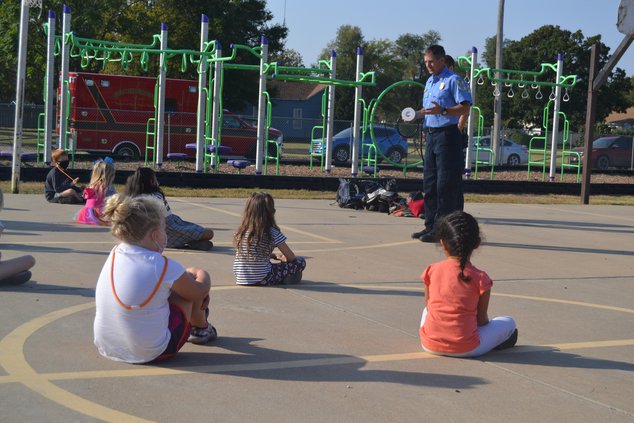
(420, 288)
(228, 368)
(285, 228)
(397, 357)
(592, 344)
(204, 206)
(499, 294)
(13, 361)
(576, 303)
(310, 234)
(105, 374)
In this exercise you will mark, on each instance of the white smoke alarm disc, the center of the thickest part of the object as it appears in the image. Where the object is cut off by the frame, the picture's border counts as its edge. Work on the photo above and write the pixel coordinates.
(408, 114)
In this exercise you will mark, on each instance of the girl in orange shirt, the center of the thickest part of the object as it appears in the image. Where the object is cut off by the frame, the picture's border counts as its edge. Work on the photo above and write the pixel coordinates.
(455, 321)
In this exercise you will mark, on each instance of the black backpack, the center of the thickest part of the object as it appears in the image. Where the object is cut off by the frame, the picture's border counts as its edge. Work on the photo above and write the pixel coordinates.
(381, 196)
(349, 194)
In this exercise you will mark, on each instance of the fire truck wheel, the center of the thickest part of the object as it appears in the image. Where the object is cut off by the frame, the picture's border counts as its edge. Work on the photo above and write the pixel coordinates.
(127, 152)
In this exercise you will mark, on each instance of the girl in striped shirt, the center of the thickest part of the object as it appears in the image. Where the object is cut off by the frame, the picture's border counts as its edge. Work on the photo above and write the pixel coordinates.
(255, 242)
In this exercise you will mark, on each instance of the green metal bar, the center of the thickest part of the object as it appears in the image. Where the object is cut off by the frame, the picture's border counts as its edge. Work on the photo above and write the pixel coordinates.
(88, 49)
(567, 153)
(373, 111)
(241, 66)
(152, 132)
(68, 132)
(252, 50)
(300, 70)
(40, 130)
(324, 98)
(479, 128)
(325, 81)
(542, 151)
(566, 82)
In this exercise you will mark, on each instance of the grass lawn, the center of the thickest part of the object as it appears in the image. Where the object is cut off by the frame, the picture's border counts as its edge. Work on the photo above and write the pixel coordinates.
(38, 188)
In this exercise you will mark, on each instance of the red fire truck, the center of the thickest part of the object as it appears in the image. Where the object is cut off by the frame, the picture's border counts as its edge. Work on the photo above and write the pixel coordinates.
(109, 114)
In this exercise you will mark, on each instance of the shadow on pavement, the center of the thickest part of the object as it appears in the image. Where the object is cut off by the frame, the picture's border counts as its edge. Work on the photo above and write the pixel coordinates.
(560, 248)
(560, 224)
(34, 287)
(355, 290)
(552, 357)
(19, 227)
(272, 364)
(35, 248)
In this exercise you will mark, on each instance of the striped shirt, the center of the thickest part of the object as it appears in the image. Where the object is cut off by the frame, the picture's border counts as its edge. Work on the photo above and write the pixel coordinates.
(161, 197)
(253, 267)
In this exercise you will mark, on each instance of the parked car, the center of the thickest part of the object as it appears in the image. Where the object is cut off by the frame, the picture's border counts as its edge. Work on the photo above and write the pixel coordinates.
(512, 153)
(388, 140)
(615, 151)
(241, 136)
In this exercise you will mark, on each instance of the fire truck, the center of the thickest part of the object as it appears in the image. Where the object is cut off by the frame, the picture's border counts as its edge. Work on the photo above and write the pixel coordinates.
(109, 114)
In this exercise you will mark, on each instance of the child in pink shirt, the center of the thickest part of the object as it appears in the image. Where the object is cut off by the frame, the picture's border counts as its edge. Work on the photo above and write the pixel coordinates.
(95, 193)
(455, 321)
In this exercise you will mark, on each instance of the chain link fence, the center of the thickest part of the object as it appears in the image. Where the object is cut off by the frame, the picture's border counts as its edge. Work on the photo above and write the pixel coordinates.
(108, 130)
(29, 124)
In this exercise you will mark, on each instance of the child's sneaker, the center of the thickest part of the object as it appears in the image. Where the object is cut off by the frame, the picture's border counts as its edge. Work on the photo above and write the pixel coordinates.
(202, 335)
(201, 245)
(509, 342)
(293, 278)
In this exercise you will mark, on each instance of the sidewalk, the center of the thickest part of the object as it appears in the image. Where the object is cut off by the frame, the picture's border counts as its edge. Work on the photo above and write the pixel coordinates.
(342, 346)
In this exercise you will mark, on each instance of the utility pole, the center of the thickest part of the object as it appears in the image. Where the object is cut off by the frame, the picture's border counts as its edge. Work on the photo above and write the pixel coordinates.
(497, 99)
(19, 92)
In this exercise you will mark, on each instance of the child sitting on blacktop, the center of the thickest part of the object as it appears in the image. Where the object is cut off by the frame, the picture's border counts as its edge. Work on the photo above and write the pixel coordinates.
(255, 242)
(455, 320)
(59, 186)
(145, 301)
(180, 233)
(14, 271)
(95, 193)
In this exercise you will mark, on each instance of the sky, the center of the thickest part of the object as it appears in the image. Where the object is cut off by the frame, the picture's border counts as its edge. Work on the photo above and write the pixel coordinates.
(461, 24)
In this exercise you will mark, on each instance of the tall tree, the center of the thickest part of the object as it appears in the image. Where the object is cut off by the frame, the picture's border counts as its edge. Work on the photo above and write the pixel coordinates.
(288, 57)
(345, 45)
(411, 48)
(392, 62)
(542, 46)
(135, 21)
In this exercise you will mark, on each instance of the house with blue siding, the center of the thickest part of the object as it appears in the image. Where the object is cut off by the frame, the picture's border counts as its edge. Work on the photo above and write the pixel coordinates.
(296, 108)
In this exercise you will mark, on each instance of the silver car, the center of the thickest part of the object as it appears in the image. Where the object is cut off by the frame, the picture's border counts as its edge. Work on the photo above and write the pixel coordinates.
(513, 154)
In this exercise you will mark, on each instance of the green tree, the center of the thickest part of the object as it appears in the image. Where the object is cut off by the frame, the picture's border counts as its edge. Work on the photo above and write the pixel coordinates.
(411, 48)
(135, 21)
(288, 57)
(542, 46)
(630, 93)
(345, 45)
(391, 61)
(97, 18)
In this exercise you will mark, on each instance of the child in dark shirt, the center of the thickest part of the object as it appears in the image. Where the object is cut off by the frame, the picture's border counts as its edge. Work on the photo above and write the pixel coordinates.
(60, 187)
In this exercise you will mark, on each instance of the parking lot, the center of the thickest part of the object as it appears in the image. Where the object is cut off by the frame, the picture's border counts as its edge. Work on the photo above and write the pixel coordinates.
(342, 345)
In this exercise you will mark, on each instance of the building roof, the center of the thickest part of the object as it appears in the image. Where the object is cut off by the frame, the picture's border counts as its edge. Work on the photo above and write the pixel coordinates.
(621, 117)
(289, 90)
